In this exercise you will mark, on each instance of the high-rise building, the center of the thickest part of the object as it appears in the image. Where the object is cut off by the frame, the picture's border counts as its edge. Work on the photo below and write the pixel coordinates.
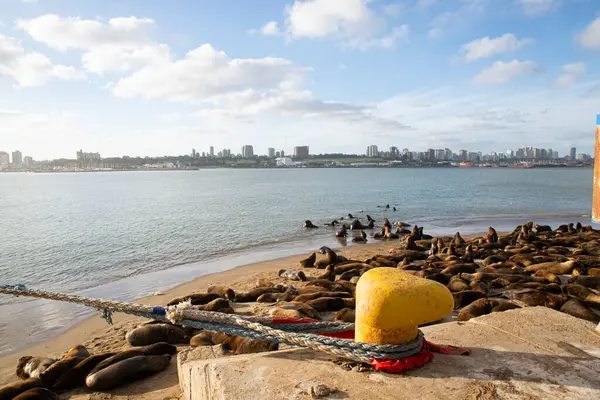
(573, 153)
(440, 154)
(277, 154)
(17, 157)
(282, 153)
(28, 161)
(510, 153)
(4, 158)
(462, 155)
(555, 154)
(271, 152)
(247, 151)
(430, 154)
(301, 152)
(193, 153)
(88, 160)
(447, 154)
(212, 151)
(220, 154)
(372, 151)
(394, 152)
(549, 153)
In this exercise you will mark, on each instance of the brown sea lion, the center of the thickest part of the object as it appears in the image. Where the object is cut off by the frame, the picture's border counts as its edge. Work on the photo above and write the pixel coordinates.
(594, 272)
(309, 224)
(77, 351)
(32, 367)
(126, 371)
(305, 310)
(331, 256)
(530, 297)
(51, 375)
(244, 345)
(219, 304)
(37, 394)
(208, 338)
(275, 297)
(542, 273)
(550, 288)
(327, 304)
(152, 334)
(492, 235)
(554, 267)
(345, 315)
(484, 306)
(466, 297)
(12, 390)
(458, 268)
(292, 275)
(479, 286)
(222, 291)
(458, 240)
(329, 273)
(512, 278)
(360, 239)
(589, 297)
(346, 276)
(587, 281)
(254, 294)
(156, 349)
(457, 284)
(468, 256)
(311, 296)
(309, 262)
(75, 377)
(327, 284)
(343, 232)
(575, 308)
(196, 299)
(349, 287)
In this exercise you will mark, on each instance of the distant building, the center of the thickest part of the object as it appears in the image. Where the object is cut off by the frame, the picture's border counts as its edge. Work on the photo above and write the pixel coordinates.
(510, 153)
(271, 152)
(88, 160)
(17, 157)
(301, 152)
(277, 154)
(203, 154)
(193, 153)
(462, 155)
(282, 154)
(555, 154)
(247, 151)
(372, 151)
(28, 161)
(440, 154)
(220, 154)
(212, 151)
(394, 152)
(448, 154)
(226, 153)
(520, 153)
(549, 153)
(4, 158)
(430, 154)
(285, 162)
(573, 153)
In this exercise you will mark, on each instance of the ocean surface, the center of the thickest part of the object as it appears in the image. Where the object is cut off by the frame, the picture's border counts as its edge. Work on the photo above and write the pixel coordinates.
(124, 235)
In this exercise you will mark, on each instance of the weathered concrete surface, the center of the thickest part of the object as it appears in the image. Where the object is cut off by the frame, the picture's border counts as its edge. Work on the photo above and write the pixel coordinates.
(532, 353)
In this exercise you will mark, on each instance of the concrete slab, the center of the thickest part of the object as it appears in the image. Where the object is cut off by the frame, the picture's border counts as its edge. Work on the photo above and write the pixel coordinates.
(533, 353)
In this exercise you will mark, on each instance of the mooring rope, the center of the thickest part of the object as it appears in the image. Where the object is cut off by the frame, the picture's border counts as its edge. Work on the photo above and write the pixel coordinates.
(302, 335)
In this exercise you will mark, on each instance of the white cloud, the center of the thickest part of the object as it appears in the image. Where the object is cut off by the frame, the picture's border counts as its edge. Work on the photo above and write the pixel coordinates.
(205, 74)
(392, 9)
(502, 72)
(443, 21)
(590, 37)
(572, 73)
(350, 22)
(120, 44)
(534, 8)
(271, 28)
(30, 68)
(486, 47)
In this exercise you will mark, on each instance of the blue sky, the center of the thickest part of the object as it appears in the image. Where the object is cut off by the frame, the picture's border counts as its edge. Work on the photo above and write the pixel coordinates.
(156, 77)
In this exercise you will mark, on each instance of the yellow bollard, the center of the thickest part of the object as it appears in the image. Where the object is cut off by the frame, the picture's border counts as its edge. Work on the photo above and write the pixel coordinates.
(391, 304)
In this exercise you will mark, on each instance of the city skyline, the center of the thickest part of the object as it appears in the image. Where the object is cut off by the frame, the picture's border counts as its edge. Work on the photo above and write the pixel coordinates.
(157, 78)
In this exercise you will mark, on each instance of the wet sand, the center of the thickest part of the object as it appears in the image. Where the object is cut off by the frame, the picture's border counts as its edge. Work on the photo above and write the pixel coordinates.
(96, 335)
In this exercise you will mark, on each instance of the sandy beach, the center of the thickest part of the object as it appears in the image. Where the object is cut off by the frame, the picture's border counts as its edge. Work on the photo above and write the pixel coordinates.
(97, 336)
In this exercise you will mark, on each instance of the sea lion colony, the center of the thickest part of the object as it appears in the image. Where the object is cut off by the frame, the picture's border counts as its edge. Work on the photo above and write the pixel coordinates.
(531, 266)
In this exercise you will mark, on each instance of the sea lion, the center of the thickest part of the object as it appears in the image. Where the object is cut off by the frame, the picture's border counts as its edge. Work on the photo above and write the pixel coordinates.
(292, 275)
(594, 272)
(457, 284)
(542, 228)
(360, 239)
(12, 390)
(492, 235)
(275, 297)
(51, 375)
(330, 303)
(587, 281)
(552, 278)
(458, 268)
(38, 393)
(550, 288)
(329, 273)
(309, 224)
(254, 294)
(484, 306)
(458, 240)
(77, 351)
(219, 304)
(468, 256)
(346, 276)
(305, 310)
(479, 286)
(126, 371)
(263, 282)
(152, 334)
(76, 376)
(309, 262)
(369, 218)
(32, 367)
(345, 315)
(244, 345)
(554, 267)
(466, 297)
(222, 291)
(343, 232)
(196, 299)
(156, 349)
(208, 338)
(575, 308)
(530, 297)
(311, 296)
(589, 297)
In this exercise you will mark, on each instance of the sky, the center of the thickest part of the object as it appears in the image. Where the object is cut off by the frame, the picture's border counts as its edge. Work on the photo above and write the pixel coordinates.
(154, 77)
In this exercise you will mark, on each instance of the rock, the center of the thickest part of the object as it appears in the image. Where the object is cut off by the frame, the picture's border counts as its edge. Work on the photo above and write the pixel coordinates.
(314, 389)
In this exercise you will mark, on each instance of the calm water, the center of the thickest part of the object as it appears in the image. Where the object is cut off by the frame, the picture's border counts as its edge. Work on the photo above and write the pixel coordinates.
(123, 235)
